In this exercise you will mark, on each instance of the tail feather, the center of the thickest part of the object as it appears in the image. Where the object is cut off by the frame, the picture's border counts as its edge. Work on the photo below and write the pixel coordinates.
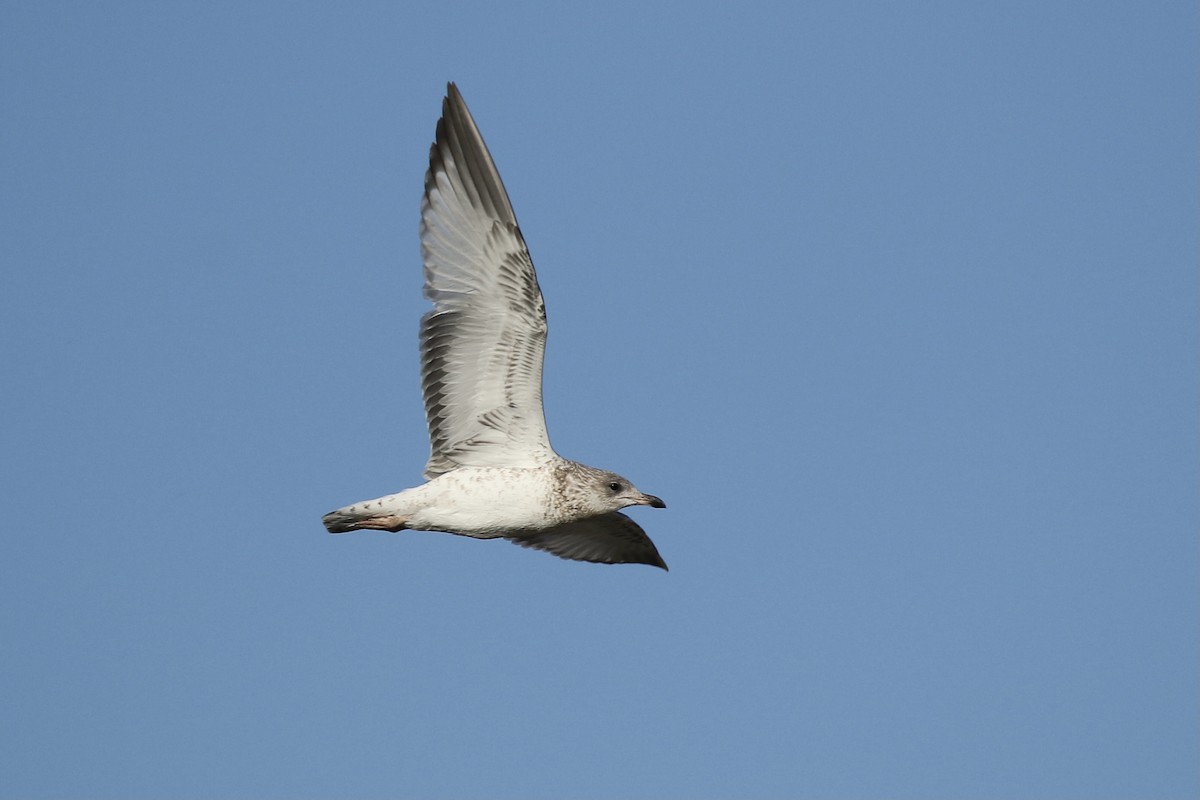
(345, 520)
(340, 522)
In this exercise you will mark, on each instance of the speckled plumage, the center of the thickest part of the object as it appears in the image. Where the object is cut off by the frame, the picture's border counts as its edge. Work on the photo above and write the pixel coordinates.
(491, 471)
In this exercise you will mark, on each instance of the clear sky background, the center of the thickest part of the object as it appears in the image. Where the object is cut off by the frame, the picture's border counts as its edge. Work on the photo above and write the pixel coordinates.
(895, 304)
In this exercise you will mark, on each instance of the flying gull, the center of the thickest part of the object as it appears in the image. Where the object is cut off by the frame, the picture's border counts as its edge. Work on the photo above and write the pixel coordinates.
(492, 473)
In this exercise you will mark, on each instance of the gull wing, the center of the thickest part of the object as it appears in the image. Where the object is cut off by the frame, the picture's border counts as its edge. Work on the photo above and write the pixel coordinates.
(606, 539)
(483, 342)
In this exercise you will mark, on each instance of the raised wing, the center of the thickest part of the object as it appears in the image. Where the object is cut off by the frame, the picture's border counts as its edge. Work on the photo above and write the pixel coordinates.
(483, 342)
(607, 539)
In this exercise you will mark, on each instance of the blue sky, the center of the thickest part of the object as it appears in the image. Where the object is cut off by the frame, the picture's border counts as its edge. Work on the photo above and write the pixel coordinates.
(896, 306)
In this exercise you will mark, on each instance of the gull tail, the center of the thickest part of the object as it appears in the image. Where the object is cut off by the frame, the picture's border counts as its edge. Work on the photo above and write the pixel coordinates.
(354, 518)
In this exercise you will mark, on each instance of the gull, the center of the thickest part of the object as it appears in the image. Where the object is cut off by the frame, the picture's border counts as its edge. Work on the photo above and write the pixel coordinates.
(492, 473)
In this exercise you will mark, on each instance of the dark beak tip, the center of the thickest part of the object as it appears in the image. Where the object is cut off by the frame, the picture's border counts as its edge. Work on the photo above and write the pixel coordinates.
(656, 502)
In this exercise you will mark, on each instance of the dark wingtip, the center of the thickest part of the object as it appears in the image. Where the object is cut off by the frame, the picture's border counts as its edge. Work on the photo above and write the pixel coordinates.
(654, 559)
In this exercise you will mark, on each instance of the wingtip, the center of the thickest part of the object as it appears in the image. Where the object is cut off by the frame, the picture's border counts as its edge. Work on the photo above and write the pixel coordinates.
(453, 99)
(658, 560)
(651, 559)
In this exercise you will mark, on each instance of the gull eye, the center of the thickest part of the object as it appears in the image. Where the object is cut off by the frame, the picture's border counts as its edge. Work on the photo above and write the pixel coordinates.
(615, 486)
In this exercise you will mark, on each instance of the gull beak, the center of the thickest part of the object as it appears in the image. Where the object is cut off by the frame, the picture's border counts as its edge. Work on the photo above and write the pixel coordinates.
(652, 501)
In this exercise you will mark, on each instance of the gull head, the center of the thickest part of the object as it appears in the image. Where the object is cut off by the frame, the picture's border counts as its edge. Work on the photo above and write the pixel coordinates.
(599, 491)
